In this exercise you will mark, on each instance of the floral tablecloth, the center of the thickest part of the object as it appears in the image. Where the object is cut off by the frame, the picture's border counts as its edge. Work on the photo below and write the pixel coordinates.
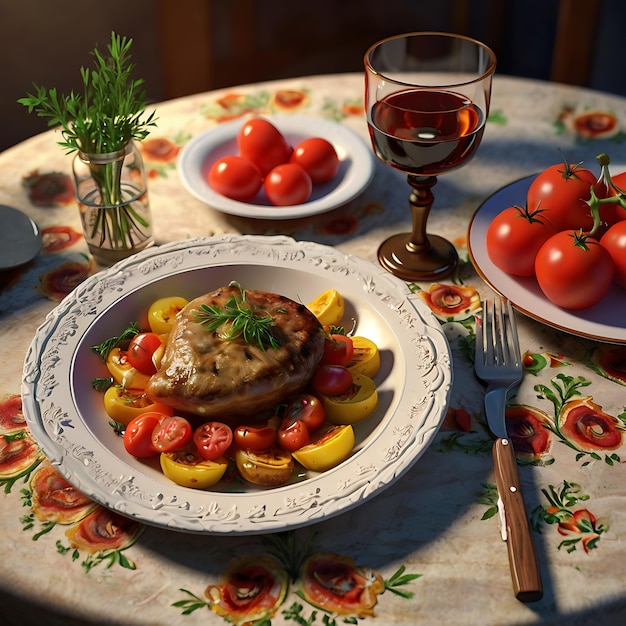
(428, 549)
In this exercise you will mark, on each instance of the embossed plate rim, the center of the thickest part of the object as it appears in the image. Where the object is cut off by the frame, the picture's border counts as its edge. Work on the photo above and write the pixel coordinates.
(417, 385)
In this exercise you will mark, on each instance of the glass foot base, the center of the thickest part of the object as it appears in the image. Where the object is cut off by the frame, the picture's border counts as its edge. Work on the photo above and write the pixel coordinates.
(438, 262)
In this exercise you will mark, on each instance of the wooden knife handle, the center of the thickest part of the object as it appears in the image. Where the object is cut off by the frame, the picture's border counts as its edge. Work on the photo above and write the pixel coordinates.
(522, 557)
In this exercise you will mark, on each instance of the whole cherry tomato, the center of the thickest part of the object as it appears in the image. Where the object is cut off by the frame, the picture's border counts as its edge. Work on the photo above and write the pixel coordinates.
(331, 380)
(614, 240)
(514, 238)
(261, 143)
(171, 433)
(562, 190)
(287, 184)
(574, 271)
(138, 434)
(254, 438)
(306, 408)
(338, 350)
(292, 434)
(235, 177)
(144, 352)
(212, 439)
(317, 157)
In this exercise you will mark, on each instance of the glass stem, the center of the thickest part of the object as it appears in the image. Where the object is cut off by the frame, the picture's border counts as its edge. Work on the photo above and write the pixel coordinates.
(421, 199)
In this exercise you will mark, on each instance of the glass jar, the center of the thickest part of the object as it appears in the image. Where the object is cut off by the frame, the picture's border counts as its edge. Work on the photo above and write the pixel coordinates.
(112, 195)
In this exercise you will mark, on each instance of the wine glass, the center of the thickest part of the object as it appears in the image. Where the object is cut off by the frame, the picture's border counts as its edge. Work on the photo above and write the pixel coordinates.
(426, 100)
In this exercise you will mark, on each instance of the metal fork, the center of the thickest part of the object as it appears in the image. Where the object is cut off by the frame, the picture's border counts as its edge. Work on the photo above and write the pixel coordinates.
(498, 363)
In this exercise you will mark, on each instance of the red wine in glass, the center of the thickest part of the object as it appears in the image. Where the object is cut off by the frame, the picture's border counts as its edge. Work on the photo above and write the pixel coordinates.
(425, 132)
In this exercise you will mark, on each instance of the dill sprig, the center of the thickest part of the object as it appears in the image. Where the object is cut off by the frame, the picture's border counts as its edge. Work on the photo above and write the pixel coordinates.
(237, 319)
(104, 348)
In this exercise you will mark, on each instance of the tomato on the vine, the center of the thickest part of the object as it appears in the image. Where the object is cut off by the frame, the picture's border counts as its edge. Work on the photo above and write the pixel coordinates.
(256, 438)
(261, 143)
(331, 380)
(287, 184)
(562, 190)
(614, 241)
(145, 352)
(573, 270)
(171, 433)
(338, 350)
(317, 157)
(138, 434)
(212, 439)
(306, 408)
(235, 177)
(515, 236)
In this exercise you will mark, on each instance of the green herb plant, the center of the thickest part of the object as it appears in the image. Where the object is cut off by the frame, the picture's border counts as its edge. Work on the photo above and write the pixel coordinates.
(99, 123)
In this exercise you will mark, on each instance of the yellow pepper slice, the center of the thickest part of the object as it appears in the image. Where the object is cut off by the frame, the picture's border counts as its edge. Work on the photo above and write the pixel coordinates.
(328, 447)
(366, 358)
(357, 403)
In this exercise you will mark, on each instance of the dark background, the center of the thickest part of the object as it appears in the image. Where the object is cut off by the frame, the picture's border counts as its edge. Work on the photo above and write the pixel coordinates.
(243, 41)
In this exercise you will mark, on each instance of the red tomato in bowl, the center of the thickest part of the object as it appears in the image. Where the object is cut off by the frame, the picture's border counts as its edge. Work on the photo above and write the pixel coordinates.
(287, 185)
(514, 238)
(138, 434)
(331, 380)
(235, 177)
(574, 271)
(256, 438)
(317, 157)
(212, 439)
(144, 352)
(338, 350)
(562, 190)
(261, 143)
(614, 240)
(307, 409)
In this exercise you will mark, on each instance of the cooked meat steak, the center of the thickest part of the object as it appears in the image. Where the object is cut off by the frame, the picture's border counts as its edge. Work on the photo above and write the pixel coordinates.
(206, 374)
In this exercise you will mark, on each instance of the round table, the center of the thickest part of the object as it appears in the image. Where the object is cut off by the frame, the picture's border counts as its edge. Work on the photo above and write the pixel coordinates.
(433, 537)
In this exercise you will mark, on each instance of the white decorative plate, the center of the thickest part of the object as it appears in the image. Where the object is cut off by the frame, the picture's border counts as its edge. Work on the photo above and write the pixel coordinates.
(66, 416)
(604, 322)
(356, 167)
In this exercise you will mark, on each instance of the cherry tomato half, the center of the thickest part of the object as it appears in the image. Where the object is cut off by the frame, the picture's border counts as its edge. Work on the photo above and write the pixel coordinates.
(212, 439)
(263, 144)
(235, 177)
(138, 434)
(305, 408)
(338, 350)
(287, 184)
(145, 352)
(574, 274)
(331, 380)
(171, 433)
(254, 438)
(317, 157)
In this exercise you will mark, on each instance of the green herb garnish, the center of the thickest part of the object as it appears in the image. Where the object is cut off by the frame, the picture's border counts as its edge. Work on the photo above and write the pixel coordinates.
(237, 319)
(105, 347)
(109, 111)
